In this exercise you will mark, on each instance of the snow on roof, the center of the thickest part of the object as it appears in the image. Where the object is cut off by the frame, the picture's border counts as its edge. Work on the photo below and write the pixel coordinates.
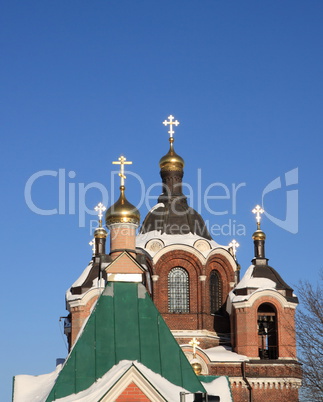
(235, 299)
(220, 387)
(248, 281)
(223, 354)
(187, 239)
(84, 275)
(36, 388)
(159, 205)
(96, 283)
(29, 388)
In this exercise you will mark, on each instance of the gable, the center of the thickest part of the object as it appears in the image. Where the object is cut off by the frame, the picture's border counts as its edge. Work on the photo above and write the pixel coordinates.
(133, 386)
(124, 325)
(124, 264)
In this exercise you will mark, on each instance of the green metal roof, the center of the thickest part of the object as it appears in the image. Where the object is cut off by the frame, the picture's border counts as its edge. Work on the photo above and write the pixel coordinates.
(125, 325)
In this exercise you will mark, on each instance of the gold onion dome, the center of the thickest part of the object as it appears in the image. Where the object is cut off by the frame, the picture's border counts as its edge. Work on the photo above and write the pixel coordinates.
(171, 161)
(122, 211)
(259, 235)
(100, 233)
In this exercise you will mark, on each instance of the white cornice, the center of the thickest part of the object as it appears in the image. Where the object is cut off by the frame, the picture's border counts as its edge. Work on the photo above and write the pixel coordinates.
(263, 293)
(269, 382)
(192, 250)
(84, 298)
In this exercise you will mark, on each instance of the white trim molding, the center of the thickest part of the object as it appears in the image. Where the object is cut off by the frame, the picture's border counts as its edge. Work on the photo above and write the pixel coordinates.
(135, 376)
(264, 293)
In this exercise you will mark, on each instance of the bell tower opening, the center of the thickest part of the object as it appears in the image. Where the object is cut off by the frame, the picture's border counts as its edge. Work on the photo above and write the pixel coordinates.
(267, 332)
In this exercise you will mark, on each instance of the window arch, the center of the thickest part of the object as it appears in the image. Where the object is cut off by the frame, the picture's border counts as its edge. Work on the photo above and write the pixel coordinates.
(215, 291)
(178, 291)
(267, 331)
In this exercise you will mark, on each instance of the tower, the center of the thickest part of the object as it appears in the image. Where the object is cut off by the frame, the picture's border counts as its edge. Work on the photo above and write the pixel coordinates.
(262, 308)
(192, 274)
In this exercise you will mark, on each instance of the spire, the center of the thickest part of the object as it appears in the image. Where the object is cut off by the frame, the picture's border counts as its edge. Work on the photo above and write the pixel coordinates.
(122, 218)
(122, 211)
(171, 162)
(100, 234)
(259, 236)
(172, 215)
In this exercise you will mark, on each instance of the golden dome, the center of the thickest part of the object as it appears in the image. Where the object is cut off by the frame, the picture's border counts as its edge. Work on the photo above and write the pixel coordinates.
(197, 367)
(100, 233)
(259, 235)
(171, 161)
(122, 211)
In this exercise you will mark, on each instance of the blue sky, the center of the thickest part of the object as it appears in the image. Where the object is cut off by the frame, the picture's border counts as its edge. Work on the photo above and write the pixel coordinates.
(84, 82)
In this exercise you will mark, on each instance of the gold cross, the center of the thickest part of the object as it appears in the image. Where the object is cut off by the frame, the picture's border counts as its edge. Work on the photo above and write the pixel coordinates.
(234, 244)
(122, 162)
(171, 123)
(92, 243)
(258, 211)
(194, 342)
(100, 208)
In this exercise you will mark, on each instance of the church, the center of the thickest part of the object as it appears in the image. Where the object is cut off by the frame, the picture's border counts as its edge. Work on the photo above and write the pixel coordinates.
(162, 314)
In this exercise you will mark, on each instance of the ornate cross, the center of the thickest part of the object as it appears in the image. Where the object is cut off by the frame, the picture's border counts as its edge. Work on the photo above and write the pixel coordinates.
(171, 123)
(100, 208)
(234, 244)
(258, 211)
(92, 243)
(194, 342)
(122, 162)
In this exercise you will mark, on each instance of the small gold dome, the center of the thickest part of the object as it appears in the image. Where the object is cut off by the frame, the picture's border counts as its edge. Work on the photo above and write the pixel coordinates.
(259, 235)
(100, 233)
(122, 211)
(197, 367)
(171, 161)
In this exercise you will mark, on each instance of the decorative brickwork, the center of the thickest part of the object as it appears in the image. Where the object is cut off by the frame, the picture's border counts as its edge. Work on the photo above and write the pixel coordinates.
(262, 390)
(199, 316)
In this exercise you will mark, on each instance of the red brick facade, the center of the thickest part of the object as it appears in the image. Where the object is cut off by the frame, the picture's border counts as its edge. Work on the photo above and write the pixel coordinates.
(270, 380)
(78, 315)
(245, 332)
(199, 316)
(132, 394)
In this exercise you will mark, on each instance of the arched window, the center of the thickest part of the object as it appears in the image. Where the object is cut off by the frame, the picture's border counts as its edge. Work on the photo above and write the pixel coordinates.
(178, 291)
(267, 332)
(215, 292)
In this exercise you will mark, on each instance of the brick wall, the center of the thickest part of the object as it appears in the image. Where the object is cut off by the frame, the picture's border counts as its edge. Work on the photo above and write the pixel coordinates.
(132, 394)
(246, 332)
(199, 316)
(122, 237)
(78, 315)
(278, 392)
